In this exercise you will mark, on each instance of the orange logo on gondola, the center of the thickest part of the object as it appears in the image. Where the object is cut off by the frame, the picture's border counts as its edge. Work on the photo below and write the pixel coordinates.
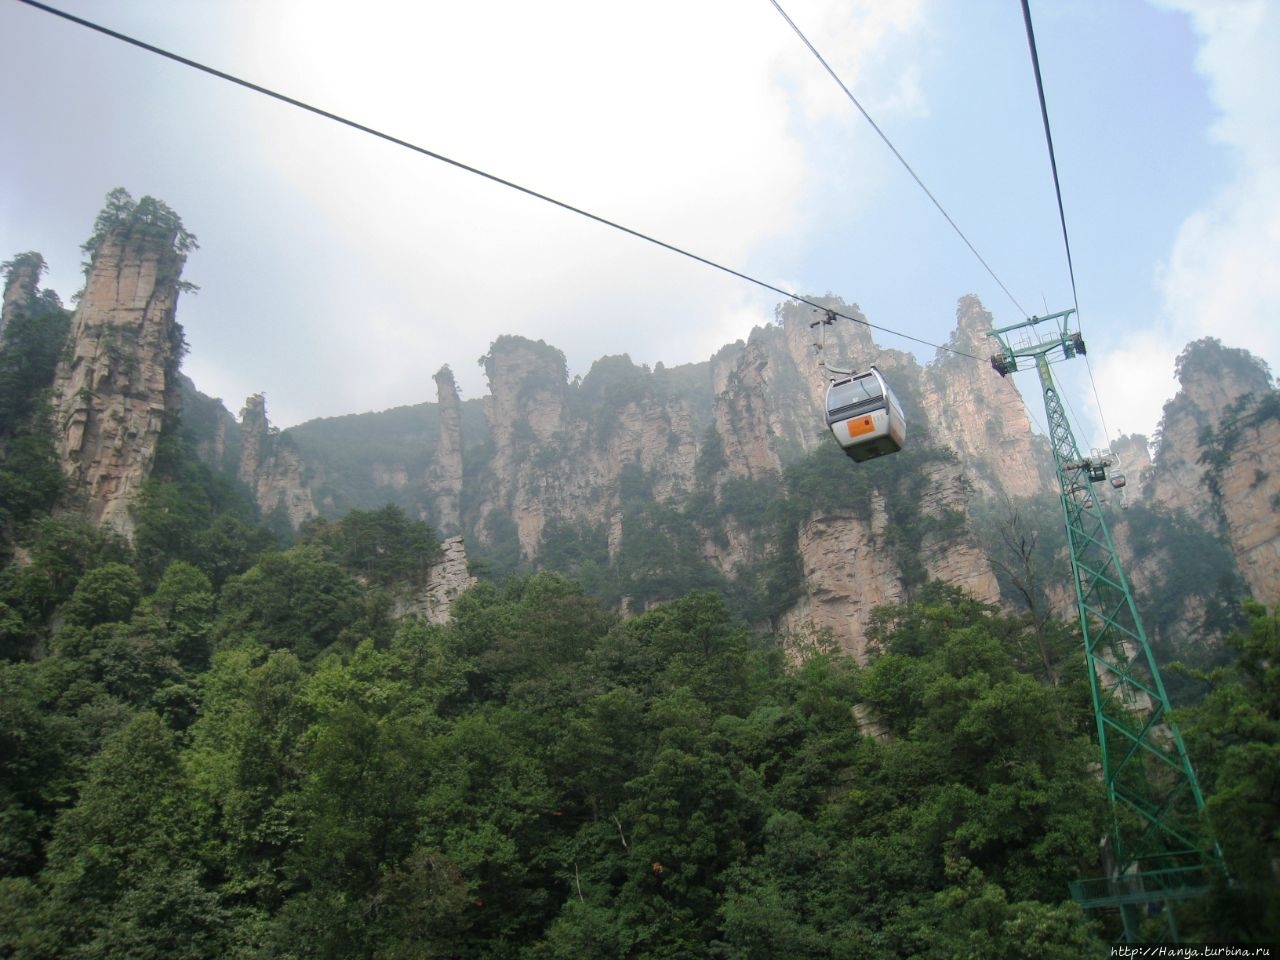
(860, 425)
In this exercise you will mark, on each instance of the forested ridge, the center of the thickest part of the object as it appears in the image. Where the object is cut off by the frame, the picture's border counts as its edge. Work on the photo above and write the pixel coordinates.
(276, 770)
(216, 740)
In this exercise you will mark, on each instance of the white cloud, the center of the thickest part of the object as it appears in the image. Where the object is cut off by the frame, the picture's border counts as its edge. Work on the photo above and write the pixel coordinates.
(1134, 381)
(661, 120)
(339, 272)
(1222, 277)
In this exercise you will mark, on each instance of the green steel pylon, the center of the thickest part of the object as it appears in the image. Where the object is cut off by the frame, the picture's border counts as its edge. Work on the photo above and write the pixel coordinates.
(1159, 849)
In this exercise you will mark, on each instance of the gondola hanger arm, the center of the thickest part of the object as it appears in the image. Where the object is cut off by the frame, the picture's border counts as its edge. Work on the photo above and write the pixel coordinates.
(825, 322)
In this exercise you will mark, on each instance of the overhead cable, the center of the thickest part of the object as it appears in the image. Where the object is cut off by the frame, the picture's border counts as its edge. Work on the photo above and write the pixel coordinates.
(362, 128)
(1053, 159)
(1057, 189)
(901, 159)
(1106, 432)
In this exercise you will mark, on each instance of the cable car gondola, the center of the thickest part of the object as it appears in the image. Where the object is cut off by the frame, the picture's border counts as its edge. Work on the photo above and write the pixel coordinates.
(864, 416)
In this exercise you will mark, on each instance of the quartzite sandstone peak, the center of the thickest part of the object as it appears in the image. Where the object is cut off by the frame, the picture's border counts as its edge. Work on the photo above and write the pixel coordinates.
(564, 452)
(1219, 456)
(981, 415)
(445, 473)
(557, 456)
(604, 455)
(1211, 379)
(270, 467)
(21, 286)
(116, 385)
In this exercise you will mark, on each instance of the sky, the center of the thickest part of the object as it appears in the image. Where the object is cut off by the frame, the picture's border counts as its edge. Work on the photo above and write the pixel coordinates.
(339, 272)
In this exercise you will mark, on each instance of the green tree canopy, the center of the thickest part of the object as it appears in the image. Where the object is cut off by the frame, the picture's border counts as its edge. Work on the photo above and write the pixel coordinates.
(382, 546)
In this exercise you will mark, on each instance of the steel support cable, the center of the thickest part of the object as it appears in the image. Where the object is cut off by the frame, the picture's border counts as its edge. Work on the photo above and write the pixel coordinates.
(1106, 432)
(1053, 160)
(1057, 189)
(901, 159)
(397, 141)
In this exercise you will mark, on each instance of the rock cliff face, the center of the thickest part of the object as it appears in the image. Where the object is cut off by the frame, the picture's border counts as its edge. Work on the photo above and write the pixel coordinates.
(1211, 378)
(527, 384)
(982, 416)
(1248, 494)
(744, 418)
(560, 453)
(579, 453)
(846, 573)
(850, 566)
(1219, 457)
(447, 579)
(951, 552)
(116, 386)
(600, 459)
(700, 470)
(270, 467)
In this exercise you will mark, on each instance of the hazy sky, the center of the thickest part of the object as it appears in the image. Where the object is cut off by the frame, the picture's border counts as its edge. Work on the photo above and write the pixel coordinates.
(339, 272)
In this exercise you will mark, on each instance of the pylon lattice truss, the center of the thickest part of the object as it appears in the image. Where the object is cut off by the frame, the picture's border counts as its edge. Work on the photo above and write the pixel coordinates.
(1159, 850)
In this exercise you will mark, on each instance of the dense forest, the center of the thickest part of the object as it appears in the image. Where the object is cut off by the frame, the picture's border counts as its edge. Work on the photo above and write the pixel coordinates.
(216, 740)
